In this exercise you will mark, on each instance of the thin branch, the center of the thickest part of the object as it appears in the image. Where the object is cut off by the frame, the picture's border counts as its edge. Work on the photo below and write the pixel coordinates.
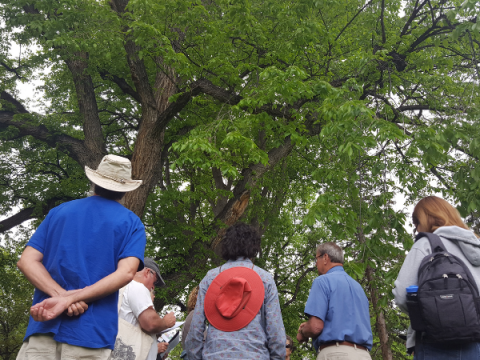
(351, 20)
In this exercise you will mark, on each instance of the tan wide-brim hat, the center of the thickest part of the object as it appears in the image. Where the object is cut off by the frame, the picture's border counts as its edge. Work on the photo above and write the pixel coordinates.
(113, 173)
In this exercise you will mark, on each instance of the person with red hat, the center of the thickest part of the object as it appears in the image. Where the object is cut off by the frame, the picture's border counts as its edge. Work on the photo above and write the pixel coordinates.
(240, 302)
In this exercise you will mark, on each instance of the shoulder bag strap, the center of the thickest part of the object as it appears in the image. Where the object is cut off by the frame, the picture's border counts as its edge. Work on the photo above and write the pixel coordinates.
(121, 291)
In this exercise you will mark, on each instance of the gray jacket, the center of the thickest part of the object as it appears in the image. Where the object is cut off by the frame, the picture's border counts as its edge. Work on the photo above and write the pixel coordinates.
(460, 242)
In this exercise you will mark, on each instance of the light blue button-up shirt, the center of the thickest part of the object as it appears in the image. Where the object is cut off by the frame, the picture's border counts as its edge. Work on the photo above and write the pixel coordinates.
(254, 341)
(341, 303)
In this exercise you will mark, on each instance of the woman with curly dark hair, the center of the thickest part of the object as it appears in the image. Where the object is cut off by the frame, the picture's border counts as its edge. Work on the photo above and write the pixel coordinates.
(240, 301)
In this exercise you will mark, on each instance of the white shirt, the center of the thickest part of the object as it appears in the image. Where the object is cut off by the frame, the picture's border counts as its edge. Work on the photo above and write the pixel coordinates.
(137, 299)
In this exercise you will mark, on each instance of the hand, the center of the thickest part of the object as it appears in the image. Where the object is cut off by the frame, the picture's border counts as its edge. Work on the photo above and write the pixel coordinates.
(49, 308)
(77, 308)
(162, 347)
(169, 319)
(300, 336)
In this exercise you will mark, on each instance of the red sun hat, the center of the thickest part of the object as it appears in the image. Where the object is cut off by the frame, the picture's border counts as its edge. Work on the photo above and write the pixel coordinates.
(234, 298)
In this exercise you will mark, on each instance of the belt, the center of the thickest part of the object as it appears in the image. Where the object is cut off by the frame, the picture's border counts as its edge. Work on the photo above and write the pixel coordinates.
(338, 343)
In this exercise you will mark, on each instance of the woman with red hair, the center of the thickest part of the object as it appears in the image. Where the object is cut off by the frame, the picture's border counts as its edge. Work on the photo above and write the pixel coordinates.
(435, 215)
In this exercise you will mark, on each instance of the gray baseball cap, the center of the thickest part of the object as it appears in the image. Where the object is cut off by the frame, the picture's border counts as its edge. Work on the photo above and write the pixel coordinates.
(151, 264)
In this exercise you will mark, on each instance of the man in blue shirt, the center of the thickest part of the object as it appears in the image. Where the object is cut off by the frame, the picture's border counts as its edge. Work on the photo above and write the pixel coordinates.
(83, 252)
(338, 310)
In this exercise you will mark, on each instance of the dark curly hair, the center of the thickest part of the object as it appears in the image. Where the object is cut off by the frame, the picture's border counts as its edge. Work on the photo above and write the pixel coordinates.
(240, 240)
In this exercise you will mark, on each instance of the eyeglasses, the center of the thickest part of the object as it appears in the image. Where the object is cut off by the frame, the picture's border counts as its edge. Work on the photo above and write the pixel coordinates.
(318, 256)
(153, 273)
(289, 346)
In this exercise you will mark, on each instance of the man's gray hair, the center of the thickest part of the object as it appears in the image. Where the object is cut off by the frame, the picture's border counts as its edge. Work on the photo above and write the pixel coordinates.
(335, 253)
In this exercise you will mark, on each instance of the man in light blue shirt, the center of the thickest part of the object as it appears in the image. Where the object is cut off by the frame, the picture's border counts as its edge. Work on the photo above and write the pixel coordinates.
(337, 308)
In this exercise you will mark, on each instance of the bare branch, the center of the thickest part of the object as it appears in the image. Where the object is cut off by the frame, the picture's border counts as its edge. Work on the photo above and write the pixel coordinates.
(30, 213)
(121, 83)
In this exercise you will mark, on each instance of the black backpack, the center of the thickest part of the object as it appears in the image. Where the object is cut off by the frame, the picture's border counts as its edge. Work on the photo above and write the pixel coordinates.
(446, 308)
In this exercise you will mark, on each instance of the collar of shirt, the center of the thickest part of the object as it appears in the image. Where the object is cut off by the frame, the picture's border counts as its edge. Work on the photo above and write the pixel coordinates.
(335, 269)
(241, 259)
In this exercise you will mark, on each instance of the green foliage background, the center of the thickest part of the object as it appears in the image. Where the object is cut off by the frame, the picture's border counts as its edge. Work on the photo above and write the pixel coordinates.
(322, 113)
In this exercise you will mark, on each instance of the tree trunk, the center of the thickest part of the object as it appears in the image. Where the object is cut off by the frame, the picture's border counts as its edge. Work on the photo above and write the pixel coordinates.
(380, 322)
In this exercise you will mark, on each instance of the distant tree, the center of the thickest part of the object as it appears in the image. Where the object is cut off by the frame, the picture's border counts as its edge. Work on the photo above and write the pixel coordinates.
(15, 300)
(305, 118)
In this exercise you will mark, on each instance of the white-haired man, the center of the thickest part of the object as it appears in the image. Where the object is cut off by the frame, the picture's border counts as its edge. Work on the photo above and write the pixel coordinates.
(338, 310)
(83, 252)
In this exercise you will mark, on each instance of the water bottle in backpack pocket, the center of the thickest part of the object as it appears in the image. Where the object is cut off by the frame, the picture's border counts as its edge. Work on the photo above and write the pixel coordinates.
(447, 305)
(414, 308)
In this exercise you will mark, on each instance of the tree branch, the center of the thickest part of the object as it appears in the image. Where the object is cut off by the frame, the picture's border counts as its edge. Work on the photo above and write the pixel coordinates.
(121, 83)
(74, 147)
(19, 107)
(30, 213)
(352, 19)
(12, 70)
(87, 103)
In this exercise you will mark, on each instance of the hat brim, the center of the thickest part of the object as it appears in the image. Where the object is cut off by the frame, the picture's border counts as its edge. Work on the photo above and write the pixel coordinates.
(251, 309)
(160, 282)
(151, 264)
(109, 184)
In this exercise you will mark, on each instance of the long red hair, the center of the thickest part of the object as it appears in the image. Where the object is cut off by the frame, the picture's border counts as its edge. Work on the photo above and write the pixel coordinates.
(435, 212)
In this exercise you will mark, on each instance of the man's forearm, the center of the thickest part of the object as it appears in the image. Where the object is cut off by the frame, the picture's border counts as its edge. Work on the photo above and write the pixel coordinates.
(152, 323)
(122, 276)
(52, 307)
(310, 329)
(307, 332)
(156, 326)
(30, 264)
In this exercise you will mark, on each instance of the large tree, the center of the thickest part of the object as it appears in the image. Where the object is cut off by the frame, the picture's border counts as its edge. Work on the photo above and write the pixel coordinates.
(304, 118)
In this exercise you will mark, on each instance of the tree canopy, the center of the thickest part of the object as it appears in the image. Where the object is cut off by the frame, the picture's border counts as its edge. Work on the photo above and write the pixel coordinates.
(307, 119)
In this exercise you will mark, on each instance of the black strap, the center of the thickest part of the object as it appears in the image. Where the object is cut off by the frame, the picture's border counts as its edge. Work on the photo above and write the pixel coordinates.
(435, 241)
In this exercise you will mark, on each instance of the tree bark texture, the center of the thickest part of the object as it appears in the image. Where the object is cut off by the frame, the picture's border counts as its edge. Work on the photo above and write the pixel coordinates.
(380, 322)
(87, 103)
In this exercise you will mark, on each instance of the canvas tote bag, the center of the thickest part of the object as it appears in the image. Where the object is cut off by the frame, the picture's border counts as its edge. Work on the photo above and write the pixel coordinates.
(132, 343)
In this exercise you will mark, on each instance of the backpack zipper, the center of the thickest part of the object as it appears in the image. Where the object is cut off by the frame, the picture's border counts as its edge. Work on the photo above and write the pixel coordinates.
(474, 290)
(460, 281)
(460, 278)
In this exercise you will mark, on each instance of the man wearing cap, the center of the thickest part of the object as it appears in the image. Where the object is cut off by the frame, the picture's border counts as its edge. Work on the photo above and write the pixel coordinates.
(137, 309)
(240, 301)
(338, 310)
(83, 252)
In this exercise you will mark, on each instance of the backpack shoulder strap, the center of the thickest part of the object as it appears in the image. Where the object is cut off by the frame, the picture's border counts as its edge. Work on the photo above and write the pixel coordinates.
(435, 242)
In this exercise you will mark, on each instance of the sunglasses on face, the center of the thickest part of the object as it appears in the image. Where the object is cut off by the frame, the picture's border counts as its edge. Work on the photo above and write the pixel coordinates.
(289, 346)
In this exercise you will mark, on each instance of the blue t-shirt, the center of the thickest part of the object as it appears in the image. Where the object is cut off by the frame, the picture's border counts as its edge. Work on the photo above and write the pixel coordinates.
(82, 242)
(341, 303)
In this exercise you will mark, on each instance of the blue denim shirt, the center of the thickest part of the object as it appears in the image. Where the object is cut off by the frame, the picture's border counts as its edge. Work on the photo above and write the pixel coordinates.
(251, 342)
(341, 303)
